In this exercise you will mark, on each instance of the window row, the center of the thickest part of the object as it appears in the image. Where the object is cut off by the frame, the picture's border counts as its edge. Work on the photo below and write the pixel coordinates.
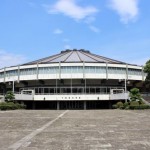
(115, 70)
(135, 72)
(48, 70)
(1, 75)
(72, 69)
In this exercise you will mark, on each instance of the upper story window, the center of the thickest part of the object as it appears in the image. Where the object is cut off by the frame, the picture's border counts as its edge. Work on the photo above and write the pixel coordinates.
(11, 73)
(1, 75)
(95, 69)
(116, 70)
(48, 70)
(29, 71)
(71, 69)
(137, 72)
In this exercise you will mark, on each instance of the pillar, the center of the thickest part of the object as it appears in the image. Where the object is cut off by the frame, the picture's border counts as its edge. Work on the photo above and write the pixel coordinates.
(110, 105)
(33, 105)
(58, 105)
(84, 105)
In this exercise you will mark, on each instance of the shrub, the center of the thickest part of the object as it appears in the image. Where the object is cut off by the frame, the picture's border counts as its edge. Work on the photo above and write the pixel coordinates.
(126, 105)
(144, 106)
(134, 103)
(11, 106)
(9, 97)
(135, 94)
(114, 106)
(119, 105)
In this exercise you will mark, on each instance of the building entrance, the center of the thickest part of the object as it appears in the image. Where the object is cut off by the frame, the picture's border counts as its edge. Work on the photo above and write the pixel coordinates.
(71, 105)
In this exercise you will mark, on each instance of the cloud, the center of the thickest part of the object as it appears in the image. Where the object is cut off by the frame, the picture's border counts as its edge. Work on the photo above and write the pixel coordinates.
(89, 20)
(9, 59)
(127, 9)
(67, 46)
(94, 29)
(58, 31)
(71, 9)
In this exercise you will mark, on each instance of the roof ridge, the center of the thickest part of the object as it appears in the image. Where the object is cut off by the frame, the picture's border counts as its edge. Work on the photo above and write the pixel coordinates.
(107, 58)
(88, 55)
(69, 55)
(78, 56)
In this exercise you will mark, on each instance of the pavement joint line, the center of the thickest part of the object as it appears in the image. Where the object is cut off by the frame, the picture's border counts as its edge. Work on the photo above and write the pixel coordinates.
(28, 137)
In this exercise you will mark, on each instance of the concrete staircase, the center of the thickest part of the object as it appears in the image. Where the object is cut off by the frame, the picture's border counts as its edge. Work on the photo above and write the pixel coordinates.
(147, 99)
(1, 98)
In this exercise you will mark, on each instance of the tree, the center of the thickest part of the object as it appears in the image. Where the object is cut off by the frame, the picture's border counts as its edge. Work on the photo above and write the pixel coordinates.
(147, 70)
(135, 95)
(9, 97)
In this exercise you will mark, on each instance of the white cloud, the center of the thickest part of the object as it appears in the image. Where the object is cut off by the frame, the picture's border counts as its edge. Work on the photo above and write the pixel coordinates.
(9, 59)
(94, 29)
(67, 46)
(58, 31)
(71, 9)
(127, 9)
(89, 20)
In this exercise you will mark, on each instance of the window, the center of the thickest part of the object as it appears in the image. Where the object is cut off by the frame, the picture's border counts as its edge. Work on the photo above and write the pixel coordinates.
(71, 69)
(48, 70)
(95, 69)
(11, 73)
(137, 72)
(116, 70)
(1, 74)
(29, 71)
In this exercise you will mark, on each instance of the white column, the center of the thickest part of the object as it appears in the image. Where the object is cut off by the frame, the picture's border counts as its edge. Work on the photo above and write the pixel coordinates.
(37, 72)
(125, 87)
(13, 86)
(84, 105)
(58, 105)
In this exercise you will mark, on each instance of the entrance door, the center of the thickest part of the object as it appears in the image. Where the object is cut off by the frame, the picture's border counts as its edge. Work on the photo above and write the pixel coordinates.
(71, 105)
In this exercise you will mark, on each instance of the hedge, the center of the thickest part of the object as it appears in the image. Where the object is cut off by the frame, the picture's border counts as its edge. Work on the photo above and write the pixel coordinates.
(11, 106)
(143, 106)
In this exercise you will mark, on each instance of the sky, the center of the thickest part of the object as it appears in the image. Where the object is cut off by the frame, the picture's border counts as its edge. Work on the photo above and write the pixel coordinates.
(33, 29)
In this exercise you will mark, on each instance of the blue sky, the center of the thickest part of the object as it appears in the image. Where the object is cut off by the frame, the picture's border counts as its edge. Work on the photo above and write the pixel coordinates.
(33, 29)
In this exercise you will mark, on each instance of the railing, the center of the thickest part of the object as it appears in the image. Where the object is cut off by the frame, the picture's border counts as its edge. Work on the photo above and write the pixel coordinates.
(145, 94)
(119, 96)
(24, 97)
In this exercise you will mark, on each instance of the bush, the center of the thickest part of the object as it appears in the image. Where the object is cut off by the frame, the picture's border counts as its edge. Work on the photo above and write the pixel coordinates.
(119, 105)
(126, 105)
(135, 94)
(9, 97)
(134, 103)
(143, 106)
(114, 106)
(11, 106)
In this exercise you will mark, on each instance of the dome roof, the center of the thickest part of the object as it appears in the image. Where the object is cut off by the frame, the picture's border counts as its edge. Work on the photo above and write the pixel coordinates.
(75, 56)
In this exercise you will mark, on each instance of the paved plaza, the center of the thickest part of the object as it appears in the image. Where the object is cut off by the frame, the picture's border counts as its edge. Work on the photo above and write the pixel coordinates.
(75, 130)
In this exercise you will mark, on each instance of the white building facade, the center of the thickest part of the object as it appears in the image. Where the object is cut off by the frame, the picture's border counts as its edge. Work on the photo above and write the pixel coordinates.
(74, 79)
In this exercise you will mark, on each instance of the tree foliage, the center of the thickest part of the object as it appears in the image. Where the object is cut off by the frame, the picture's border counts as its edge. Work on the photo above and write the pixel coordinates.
(135, 94)
(9, 97)
(147, 70)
